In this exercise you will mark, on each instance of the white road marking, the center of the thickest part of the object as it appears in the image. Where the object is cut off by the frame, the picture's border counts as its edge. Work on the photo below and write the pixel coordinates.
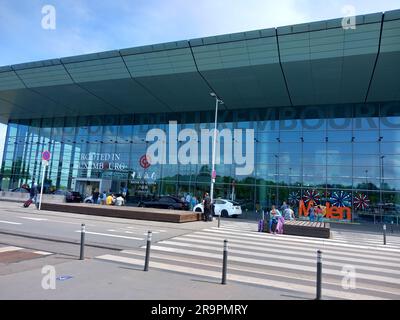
(271, 273)
(289, 259)
(7, 249)
(240, 278)
(287, 250)
(304, 240)
(43, 253)
(379, 256)
(110, 235)
(278, 265)
(10, 222)
(34, 219)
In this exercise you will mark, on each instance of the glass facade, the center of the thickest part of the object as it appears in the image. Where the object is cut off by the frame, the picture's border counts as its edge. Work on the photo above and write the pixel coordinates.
(347, 155)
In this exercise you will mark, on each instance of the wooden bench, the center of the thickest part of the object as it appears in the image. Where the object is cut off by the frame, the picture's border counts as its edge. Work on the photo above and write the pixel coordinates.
(306, 229)
(125, 212)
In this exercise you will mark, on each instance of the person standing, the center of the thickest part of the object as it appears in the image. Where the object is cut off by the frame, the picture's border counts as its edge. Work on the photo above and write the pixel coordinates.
(193, 203)
(319, 213)
(207, 207)
(188, 199)
(288, 214)
(284, 206)
(33, 194)
(95, 196)
(103, 197)
(311, 213)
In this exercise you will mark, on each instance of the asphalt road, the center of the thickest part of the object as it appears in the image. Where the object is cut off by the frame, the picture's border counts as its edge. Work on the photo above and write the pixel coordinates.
(186, 260)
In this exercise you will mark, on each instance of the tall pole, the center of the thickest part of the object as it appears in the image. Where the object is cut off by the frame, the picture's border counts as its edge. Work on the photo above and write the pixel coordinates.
(380, 193)
(41, 187)
(213, 173)
(276, 180)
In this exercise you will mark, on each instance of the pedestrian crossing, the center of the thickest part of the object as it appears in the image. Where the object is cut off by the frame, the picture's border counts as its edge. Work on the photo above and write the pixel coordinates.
(352, 269)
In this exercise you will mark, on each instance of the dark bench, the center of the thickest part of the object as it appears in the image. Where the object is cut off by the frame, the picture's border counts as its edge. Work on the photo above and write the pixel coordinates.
(306, 229)
(125, 212)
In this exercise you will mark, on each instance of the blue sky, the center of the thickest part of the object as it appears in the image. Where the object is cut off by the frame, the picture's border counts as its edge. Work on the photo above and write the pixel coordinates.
(85, 26)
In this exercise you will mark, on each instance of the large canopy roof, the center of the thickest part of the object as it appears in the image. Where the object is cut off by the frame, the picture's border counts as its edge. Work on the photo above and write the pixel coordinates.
(307, 64)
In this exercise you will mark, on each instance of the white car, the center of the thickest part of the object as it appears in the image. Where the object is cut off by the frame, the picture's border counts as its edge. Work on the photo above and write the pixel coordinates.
(90, 200)
(223, 208)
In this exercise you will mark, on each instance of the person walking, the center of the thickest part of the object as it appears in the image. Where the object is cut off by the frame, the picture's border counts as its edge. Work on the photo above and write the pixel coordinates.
(193, 203)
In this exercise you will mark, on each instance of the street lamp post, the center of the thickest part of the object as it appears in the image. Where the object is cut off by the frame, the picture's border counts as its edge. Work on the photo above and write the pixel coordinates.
(380, 193)
(213, 173)
(276, 179)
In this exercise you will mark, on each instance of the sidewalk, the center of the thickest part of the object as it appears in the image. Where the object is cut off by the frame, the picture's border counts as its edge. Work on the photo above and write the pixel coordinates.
(93, 279)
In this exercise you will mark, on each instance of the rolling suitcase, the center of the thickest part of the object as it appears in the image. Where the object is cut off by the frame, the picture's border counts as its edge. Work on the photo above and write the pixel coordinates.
(261, 226)
(27, 203)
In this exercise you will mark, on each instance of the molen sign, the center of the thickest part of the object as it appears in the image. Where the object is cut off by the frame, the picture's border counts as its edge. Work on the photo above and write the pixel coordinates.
(329, 212)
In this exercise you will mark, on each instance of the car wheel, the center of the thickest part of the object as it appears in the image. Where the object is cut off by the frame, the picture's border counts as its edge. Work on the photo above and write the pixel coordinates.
(142, 205)
(224, 213)
(199, 210)
(88, 201)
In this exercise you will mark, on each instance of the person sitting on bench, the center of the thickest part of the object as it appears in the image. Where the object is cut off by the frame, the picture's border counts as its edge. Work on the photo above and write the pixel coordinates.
(273, 219)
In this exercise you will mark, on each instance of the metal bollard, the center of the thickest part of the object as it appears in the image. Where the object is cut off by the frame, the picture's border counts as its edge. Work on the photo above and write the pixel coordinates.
(384, 234)
(225, 262)
(83, 231)
(391, 226)
(219, 220)
(319, 274)
(146, 262)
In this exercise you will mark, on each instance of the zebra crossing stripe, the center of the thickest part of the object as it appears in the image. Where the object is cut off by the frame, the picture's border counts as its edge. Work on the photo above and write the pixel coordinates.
(303, 277)
(289, 246)
(282, 257)
(8, 249)
(302, 240)
(240, 278)
(274, 264)
(296, 251)
(373, 241)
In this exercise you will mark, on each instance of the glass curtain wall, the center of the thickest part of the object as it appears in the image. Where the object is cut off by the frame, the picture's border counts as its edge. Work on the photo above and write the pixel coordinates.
(344, 155)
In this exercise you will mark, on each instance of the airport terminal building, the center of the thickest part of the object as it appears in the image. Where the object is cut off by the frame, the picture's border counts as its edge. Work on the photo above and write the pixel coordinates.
(323, 101)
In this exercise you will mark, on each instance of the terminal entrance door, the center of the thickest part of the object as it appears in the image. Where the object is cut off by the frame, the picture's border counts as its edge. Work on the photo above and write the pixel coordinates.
(86, 186)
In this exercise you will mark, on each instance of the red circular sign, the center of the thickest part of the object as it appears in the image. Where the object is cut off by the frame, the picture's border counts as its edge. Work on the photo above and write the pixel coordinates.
(46, 155)
(144, 161)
